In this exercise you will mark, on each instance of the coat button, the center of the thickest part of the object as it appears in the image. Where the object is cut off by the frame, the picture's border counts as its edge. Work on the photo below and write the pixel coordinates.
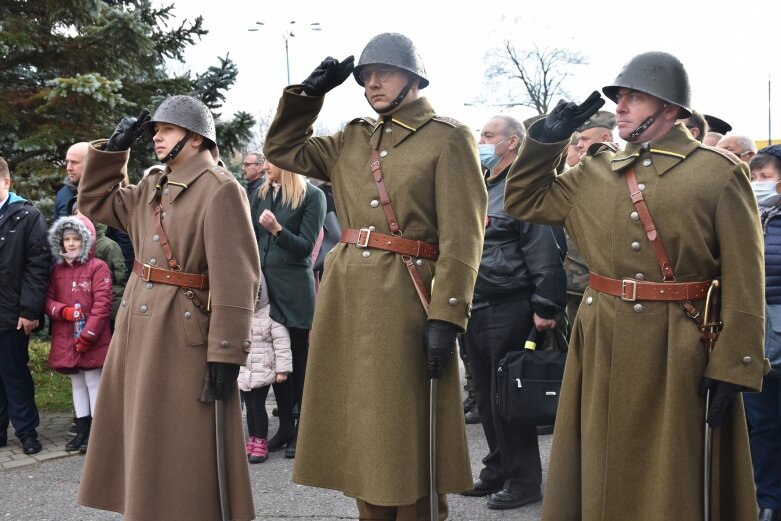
(372, 228)
(638, 308)
(589, 301)
(419, 262)
(247, 344)
(166, 190)
(641, 186)
(388, 130)
(646, 162)
(375, 203)
(383, 153)
(747, 360)
(187, 314)
(366, 253)
(149, 285)
(453, 301)
(124, 303)
(155, 237)
(163, 215)
(152, 261)
(635, 246)
(634, 216)
(225, 343)
(143, 309)
(640, 276)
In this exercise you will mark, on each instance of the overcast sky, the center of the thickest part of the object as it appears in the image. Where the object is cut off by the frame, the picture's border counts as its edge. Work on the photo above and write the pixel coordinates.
(729, 49)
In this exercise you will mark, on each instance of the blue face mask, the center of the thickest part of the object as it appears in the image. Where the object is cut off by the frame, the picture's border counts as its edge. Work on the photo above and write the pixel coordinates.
(488, 157)
(766, 193)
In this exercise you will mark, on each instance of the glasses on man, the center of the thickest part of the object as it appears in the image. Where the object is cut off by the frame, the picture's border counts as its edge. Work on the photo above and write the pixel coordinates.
(382, 74)
(255, 163)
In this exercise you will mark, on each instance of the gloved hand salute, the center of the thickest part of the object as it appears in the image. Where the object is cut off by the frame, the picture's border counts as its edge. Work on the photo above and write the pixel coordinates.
(127, 131)
(722, 395)
(567, 117)
(329, 74)
(440, 338)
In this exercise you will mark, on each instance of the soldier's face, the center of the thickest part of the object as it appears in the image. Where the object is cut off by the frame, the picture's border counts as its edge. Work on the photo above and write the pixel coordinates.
(634, 107)
(166, 137)
(382, 84)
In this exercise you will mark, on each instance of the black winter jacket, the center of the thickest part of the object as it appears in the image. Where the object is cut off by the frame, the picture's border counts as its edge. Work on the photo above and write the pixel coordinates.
(25, 261)
(520, 260)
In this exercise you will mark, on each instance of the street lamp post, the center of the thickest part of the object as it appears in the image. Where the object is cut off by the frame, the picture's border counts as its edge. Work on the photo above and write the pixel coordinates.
(286, 35)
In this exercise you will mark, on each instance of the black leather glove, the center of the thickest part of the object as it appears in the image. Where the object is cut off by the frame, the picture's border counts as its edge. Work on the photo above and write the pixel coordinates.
(721, 396)
(329, 74)
(567, 117)
(222, 379)
(127, 131)
(440, 338)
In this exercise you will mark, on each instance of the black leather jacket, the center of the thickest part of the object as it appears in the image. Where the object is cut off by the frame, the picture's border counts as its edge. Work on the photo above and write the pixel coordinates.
(520, 260)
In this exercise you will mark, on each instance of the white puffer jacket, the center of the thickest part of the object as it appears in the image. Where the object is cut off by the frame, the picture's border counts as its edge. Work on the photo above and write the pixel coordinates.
(270, 352)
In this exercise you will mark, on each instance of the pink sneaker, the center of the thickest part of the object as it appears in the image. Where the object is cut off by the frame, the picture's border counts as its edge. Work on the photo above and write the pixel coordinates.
(259, 451)
(250, 445)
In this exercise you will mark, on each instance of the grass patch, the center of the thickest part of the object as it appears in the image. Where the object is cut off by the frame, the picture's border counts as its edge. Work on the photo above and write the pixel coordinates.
(52, 389)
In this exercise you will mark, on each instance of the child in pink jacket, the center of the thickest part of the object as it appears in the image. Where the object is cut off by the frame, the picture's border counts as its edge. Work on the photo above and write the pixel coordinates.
(78, 303)
(269, 362)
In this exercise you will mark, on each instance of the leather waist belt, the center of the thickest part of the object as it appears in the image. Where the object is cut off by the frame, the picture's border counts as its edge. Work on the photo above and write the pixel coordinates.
(365, 238)
(174, 278)
(631, 289)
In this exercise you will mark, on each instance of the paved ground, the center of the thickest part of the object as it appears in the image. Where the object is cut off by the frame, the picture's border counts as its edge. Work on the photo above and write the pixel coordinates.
(43, 487)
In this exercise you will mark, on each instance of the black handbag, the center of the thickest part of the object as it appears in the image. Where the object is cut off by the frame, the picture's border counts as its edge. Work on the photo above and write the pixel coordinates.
(528, 382)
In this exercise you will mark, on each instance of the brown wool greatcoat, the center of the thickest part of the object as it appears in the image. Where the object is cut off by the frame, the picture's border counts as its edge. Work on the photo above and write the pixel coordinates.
(152, 447)
(364, 422)
(628, 442)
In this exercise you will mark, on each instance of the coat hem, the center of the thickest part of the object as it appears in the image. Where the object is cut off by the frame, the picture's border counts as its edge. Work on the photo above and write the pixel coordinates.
(374, 501)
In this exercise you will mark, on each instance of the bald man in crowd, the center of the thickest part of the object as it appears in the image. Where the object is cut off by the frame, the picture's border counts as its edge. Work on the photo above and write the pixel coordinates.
(74, 165)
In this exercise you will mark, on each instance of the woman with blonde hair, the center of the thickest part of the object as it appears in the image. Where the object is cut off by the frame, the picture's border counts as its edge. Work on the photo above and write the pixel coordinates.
(288, 214)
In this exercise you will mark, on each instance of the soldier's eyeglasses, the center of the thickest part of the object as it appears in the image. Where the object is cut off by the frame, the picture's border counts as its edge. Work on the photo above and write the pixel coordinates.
(382, 74)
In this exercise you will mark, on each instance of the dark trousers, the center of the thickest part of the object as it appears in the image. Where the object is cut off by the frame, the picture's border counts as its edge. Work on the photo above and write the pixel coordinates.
(764, 414)
(514, 455)
(257, 417)
(294, 385)
(17, 392)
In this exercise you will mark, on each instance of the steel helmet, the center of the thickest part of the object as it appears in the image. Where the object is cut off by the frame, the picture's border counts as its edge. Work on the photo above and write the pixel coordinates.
(186, 112)
(656, 73)
(392, 49)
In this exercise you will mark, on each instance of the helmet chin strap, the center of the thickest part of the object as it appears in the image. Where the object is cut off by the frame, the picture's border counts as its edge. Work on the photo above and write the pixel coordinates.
(177, 147)
(645, 124)
(396, 102)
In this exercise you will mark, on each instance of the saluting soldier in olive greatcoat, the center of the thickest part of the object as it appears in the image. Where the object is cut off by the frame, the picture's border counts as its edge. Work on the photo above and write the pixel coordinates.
(629, 436)
(152, 451)
(364, 422)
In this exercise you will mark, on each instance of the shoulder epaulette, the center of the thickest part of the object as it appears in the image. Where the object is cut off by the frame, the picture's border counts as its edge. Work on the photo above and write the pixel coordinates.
(596, 148)
(221, 174)
(366, 120)
(447, 121)
(726, 154)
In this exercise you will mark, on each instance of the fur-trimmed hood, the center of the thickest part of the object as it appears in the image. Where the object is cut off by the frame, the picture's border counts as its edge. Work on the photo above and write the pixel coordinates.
(83, 226)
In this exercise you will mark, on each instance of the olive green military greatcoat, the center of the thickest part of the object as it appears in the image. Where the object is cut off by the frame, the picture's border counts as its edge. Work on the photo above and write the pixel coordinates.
(628, 441)
(152, 447)
(364, 422)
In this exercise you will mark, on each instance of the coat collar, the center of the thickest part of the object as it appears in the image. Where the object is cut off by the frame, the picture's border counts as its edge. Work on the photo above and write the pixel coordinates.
(179, 180)
(667, 152)
(403, 123)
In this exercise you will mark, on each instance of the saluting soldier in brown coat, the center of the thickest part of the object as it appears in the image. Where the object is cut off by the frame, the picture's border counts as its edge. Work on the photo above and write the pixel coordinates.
(629, 436)
(183, 327)
(364, 422)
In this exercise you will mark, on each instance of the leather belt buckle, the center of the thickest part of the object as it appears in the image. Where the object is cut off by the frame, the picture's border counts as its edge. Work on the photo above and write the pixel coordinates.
(363, 238)
(146, 272)
(631, 284)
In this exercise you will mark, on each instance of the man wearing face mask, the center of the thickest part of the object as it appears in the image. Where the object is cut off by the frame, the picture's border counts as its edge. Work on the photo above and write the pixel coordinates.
(656, 223)
(398, 184)
(520, 285)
